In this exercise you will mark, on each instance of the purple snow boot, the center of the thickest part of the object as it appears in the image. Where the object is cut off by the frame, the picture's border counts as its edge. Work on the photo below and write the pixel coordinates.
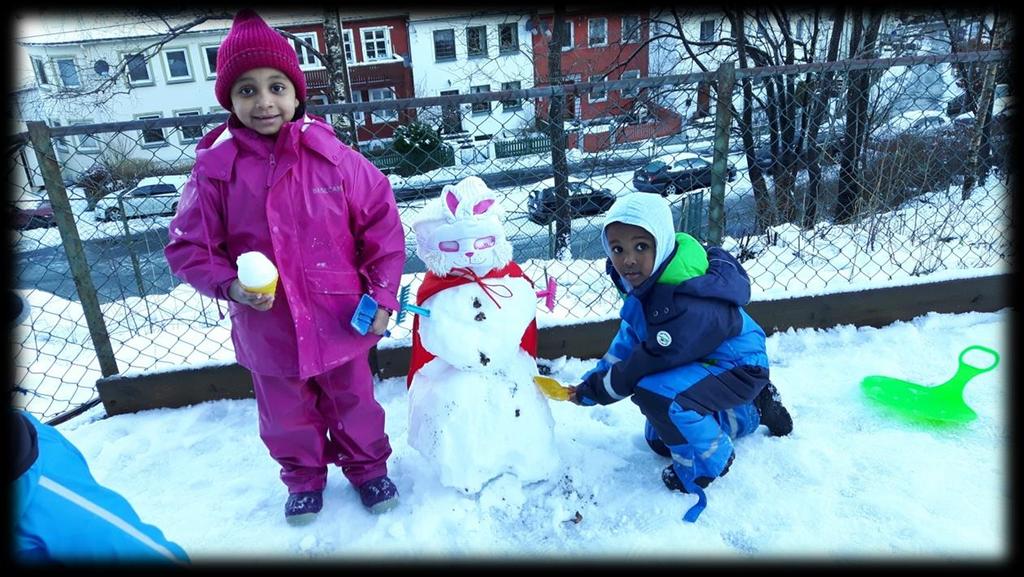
(379, 495)
(303, 507)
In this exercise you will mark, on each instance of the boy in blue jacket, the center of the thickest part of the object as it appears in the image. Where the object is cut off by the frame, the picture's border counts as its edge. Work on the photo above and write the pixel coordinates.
(686, 352)
(62, 515)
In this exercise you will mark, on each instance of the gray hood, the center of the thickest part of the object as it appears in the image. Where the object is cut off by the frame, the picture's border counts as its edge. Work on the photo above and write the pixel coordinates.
(650, 212)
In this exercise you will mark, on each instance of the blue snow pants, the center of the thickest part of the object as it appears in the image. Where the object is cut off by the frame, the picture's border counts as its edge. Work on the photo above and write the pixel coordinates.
(697, 410)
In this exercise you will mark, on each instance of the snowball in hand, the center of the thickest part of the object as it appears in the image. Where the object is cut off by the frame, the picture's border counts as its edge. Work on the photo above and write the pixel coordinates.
(256, 273)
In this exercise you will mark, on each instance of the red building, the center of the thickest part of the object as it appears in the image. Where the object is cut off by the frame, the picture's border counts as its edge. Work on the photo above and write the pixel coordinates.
(596, 47)
(378, 60)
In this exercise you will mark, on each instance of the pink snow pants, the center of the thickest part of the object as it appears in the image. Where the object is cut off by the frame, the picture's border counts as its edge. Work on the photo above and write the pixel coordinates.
(330, 418)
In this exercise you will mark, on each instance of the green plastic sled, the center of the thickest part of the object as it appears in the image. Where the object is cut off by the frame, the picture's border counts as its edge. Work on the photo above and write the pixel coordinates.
(943, 403)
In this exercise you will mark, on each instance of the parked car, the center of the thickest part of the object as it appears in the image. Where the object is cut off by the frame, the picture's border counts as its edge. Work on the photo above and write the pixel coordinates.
(584, 200)
(913, 123)
(830, 138)
(674, 173)
(31, 214)
(153, 196)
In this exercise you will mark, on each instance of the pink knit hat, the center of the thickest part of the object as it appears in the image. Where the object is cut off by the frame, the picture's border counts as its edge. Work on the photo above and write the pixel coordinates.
(252, 44)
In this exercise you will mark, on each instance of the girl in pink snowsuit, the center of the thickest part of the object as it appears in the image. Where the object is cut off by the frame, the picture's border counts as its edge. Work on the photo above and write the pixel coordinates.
(277, 181)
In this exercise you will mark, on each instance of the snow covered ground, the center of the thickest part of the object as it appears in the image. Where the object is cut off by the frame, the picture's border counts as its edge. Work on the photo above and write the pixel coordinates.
(851, 482)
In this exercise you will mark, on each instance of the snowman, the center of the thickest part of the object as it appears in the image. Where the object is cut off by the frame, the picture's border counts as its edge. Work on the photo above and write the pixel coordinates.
(474, 411)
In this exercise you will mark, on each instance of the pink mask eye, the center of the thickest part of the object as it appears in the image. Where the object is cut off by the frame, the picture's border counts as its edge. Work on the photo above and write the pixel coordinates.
(485, 242)
(448, 246)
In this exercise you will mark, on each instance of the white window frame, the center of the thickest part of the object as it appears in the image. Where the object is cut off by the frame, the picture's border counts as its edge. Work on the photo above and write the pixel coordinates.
(74, 68)
(85, 143)
(348, 43)
(211, 72)
(307, 60)
(320, 99)
(629, 75)
(382, 116)
(386, 39)
(507, 105)
(358, 116)
(483, 39)
(39, 67)
(638, 31)
(711, 37)
(570, 42)
(165, 58)
(182, 139)
(473, 106)
(142, 132)
(150, 79)
(60, 143)
(590, 32)
(593, 97)
(455, 49)
(514, 26)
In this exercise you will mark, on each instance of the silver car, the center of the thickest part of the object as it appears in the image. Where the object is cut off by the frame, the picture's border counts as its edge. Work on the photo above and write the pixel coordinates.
(153, 196)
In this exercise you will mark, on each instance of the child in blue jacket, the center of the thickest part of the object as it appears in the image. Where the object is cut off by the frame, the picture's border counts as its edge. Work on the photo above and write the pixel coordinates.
(686, 352)
(61, 514)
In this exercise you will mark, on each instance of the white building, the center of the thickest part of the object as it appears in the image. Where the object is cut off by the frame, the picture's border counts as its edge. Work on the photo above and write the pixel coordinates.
(106, 67)
(463, 53)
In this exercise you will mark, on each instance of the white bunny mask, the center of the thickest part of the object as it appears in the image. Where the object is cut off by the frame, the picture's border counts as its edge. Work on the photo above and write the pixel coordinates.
(463, 227)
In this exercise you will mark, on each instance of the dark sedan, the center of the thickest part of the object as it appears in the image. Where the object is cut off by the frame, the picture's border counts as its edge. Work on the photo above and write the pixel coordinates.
(25, 218)
(584, 200)
(676, 173)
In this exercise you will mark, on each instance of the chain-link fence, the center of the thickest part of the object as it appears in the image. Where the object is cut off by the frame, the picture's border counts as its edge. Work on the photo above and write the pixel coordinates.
(818, 177)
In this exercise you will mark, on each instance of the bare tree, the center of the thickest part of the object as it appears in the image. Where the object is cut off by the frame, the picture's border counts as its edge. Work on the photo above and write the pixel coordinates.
(863, 38)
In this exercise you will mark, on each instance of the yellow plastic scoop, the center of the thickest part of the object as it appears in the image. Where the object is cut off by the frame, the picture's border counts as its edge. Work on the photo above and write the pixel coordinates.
(551, 388)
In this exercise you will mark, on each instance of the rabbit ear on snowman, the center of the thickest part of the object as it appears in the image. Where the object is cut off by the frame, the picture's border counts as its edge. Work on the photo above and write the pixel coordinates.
(468, 209)
(470, 199)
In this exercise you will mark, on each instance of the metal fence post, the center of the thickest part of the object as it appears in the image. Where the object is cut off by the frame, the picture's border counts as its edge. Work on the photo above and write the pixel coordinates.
(720, 166)
(39, 133)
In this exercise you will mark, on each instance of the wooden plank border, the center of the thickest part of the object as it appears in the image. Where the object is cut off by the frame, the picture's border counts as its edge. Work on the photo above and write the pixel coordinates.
(875, 307)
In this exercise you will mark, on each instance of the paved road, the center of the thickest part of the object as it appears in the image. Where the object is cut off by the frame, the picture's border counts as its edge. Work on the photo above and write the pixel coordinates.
(134, 266)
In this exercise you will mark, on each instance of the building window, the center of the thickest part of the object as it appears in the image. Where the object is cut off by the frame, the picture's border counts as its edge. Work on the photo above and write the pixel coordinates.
(348, 41)
(358, 116)
(210, 61)
(630, 29)
(189, 134)
(707, 30)
(801, 29)
(307, 57)
(138, 70)
(476, 41)
(68, 72)
(629, 75)
(60, 143)
(151, 136)
(382, 116)
(597, 32)
(480, 107)
(86, 142)
(444, 45)
(40, 69)
(508, 38)
(376, 44)
(177, 65)
(512, 103)
(566, 35)
(598, 94)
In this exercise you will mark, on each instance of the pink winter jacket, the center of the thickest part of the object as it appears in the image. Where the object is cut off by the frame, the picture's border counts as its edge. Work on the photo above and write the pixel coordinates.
(323, 214)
